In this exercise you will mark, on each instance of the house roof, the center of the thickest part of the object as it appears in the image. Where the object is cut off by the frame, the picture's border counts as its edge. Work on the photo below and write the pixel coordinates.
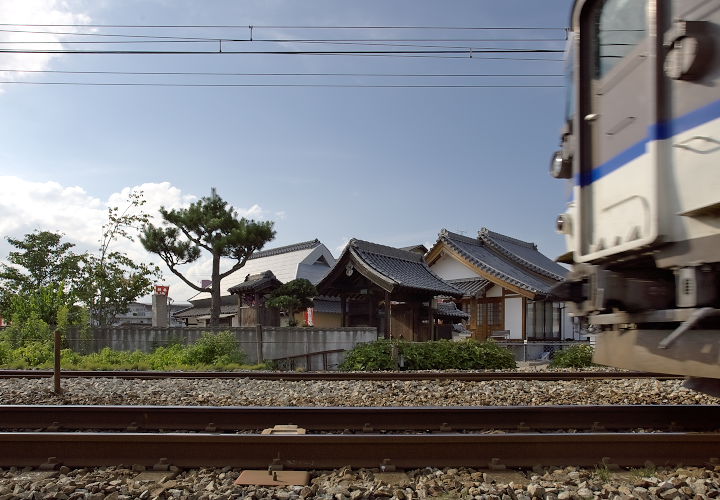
(420, 248)
(194, 312)
(500, 258)
(391, 269)
(524, 253)
(201, 307)
(256, 283)
(308, 259)
(471, 287)
(450, 310)
(295, 247)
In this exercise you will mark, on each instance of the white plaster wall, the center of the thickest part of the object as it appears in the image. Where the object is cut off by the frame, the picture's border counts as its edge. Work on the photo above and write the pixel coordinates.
(513, 317)
(450, 269)
(495, 291)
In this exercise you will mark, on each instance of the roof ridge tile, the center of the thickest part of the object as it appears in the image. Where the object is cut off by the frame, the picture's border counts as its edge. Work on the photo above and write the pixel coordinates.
(485, 234)
(295, 247)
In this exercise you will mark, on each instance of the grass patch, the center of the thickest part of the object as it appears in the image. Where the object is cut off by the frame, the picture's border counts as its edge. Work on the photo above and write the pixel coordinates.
(212, 352)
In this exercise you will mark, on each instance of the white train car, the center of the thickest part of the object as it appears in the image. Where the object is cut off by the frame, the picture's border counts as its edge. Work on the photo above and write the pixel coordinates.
(641, 147)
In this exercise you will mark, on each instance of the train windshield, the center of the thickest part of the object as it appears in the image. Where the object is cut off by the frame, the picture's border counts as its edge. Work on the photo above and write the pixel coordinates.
(620, 26)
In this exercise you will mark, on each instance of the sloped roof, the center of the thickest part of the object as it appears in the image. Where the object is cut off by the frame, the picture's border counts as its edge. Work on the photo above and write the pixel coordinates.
(510, 260)
(201, 307)
(194, 312)
(295, 247)
(256, 283)
(389, 268)
(309, 259)
(470, 287)
(450, 310)
(524, 253)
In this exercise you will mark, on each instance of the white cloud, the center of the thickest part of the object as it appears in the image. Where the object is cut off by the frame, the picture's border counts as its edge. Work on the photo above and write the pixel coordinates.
(338, 249)
(27, 206)
(35, 12)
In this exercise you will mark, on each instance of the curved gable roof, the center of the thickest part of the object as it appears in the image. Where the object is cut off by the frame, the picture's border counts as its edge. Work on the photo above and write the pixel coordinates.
(389, 268)
(493, 262)
(523, 252)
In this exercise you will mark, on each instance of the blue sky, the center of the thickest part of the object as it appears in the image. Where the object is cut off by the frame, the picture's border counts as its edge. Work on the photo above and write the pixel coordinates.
(389, 165)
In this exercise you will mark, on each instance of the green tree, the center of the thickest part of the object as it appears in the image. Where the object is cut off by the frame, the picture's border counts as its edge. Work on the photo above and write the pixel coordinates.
(42, 269)
(111, 281)
(211, 225)
(293, 297)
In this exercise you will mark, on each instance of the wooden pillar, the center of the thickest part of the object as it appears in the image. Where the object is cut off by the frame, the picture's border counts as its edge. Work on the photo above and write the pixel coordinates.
(343, 311)
(431, 321)
(371, 308)
(256, 301)
(388, 315)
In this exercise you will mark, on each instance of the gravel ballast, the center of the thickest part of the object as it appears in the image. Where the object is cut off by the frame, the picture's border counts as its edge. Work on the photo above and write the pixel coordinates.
(248, 392)
(120, 483)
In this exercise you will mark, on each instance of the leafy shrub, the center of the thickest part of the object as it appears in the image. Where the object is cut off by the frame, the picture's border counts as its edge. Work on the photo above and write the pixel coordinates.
(437, 355)
(214, 349)
(577, 356)
(36, 353)
(6, 351)
(373, 356)
(210, 352)
(32, 329)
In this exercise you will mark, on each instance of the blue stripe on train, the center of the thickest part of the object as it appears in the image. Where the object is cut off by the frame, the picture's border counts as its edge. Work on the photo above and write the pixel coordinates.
(656, 132)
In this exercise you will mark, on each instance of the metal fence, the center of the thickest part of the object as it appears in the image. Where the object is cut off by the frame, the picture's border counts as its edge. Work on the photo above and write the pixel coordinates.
(291, 348)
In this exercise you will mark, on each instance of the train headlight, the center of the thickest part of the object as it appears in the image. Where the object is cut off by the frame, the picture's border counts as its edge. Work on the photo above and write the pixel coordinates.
(560, 166)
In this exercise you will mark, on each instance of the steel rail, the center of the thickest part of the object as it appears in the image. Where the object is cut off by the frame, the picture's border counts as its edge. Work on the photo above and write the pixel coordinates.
(362, 419)
(373, 450)
(294, 376)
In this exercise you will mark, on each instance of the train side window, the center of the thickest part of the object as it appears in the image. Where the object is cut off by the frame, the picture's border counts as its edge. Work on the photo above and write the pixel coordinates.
(620, 25)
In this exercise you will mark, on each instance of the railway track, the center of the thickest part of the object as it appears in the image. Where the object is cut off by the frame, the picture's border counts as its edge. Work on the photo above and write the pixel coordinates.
(371, 438)
(225, 419)
(395, 375)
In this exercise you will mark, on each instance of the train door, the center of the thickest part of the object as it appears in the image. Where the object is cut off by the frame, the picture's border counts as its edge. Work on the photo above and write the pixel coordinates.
(618, 94)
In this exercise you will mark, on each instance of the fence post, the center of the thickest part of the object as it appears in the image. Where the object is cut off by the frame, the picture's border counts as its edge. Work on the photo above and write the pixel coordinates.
(525, 349)
(56, 375)
(259, 337)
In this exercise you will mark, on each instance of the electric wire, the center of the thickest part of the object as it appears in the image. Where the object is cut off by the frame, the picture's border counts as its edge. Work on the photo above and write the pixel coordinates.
(209, 73)
(321, 85)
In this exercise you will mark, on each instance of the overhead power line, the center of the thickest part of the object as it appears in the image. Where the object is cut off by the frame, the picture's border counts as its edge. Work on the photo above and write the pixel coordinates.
(288, 27)
(208, 73)
(325, 85)
(220, 50)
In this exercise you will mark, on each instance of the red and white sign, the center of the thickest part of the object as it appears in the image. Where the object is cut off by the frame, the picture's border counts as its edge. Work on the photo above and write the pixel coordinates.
(310, 316)
(162, 289)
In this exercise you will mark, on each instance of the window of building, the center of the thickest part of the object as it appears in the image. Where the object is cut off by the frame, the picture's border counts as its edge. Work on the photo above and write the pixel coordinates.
(543, 320)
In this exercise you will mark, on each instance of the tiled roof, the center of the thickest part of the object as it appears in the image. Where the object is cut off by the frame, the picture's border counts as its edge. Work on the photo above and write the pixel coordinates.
(256, 282)
(524, 253)
(286, 249)
(194, 312)
(400, 267)
(486, 257)
(309, 259)
(450, 310)
(471, 287)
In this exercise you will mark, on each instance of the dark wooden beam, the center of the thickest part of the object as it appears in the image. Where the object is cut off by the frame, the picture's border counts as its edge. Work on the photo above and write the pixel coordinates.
(343, 311)
(431, 320)
(388, 314)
